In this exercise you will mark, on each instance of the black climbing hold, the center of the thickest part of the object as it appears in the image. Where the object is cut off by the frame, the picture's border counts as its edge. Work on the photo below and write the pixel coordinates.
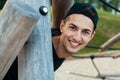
(43, 10)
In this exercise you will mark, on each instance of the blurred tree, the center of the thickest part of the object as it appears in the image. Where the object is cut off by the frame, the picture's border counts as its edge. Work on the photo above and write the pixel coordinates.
(99, 5)
(79, 1)
(115, 3)
(2, 2)
(50, 2)
(105, 7)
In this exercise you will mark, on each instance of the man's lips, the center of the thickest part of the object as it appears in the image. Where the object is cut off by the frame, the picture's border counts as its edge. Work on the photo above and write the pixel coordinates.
(74, 44)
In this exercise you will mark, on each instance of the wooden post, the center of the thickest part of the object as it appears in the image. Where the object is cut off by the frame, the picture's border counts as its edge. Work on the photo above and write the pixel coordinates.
(60, 7)
(35, 59)
(110, 42)
(16, 23)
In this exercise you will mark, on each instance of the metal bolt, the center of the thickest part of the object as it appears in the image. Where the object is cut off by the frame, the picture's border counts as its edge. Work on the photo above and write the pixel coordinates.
(43, 10)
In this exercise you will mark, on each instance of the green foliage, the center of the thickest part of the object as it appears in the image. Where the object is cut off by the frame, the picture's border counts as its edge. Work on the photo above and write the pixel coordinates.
(108, 26)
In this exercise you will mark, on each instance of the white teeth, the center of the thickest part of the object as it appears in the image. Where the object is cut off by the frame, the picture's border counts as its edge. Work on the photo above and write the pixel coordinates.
(75, 44)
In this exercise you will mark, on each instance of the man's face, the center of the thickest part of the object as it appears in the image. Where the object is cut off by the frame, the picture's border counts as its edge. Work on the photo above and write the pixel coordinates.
(76, 31)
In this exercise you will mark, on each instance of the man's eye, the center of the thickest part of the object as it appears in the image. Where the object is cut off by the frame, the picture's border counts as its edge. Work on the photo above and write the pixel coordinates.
(72, 28)
(86, 32)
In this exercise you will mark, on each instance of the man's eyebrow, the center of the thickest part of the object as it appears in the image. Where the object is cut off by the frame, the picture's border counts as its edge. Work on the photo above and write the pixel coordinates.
(87, 30)
(74, 25)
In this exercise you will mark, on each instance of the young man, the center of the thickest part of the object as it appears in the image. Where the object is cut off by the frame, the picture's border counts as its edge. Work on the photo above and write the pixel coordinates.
(76, 30)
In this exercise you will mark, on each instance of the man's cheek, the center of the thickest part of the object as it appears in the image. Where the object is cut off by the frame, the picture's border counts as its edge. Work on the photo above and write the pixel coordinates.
(69, 33)
(86, 40)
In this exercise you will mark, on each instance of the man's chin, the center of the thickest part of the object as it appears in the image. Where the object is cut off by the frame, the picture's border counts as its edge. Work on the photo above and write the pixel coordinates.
(73, 52)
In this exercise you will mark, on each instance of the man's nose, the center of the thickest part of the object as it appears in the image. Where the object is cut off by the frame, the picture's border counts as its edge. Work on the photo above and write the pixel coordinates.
(78, 36)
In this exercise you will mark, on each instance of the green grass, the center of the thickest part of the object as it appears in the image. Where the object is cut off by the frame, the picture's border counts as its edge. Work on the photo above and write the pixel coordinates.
(108, 26)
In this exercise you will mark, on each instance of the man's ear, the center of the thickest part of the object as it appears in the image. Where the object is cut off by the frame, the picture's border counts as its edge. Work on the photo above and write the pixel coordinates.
(62, 25)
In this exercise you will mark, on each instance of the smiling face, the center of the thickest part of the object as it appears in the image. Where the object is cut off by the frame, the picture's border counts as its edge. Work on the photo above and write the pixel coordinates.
(77, 31)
